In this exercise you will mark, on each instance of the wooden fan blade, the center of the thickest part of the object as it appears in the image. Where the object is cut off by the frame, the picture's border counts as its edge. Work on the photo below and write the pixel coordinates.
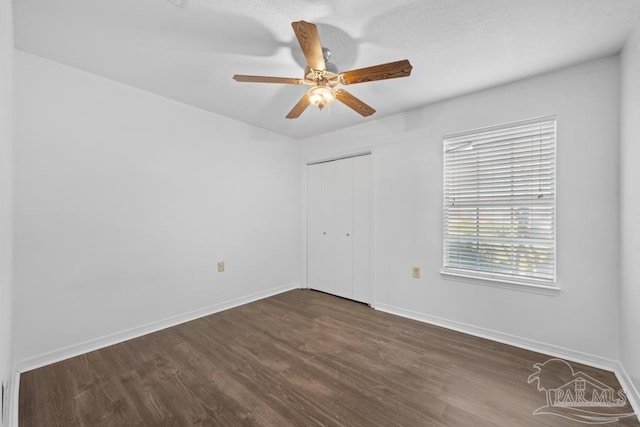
(354, 103)
(390, 70)
(265, 79)
(309, 40)
(299, 107)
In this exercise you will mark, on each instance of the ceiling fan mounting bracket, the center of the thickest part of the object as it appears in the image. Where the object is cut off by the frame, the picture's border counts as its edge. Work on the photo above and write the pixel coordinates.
(317, 76)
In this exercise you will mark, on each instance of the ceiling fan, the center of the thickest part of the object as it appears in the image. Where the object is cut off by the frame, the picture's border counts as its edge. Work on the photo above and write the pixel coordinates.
(323, 77)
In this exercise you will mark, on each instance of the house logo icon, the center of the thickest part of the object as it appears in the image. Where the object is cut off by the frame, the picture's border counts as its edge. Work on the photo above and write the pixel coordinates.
(576, 395)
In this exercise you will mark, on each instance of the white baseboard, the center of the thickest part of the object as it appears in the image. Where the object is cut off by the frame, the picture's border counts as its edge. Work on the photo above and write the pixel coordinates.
(14, 399)
(527, 344)
(539, 347)
(118, 337)
(633, 396)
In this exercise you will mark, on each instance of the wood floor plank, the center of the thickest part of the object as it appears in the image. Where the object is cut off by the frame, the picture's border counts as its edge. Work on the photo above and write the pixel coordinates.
(301, 358)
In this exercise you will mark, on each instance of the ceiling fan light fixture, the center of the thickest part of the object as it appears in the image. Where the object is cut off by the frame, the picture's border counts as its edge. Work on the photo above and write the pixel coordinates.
(321, 96)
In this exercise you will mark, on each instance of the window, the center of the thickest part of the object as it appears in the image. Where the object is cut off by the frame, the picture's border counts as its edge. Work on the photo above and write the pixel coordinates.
(499, 203)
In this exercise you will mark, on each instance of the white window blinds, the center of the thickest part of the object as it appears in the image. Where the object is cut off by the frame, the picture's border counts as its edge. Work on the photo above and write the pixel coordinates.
(499, 202)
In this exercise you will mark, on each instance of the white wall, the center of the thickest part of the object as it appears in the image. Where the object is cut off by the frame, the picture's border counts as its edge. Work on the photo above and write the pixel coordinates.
(6, 198)
(630, 207)
(125, 201)
(408, 208)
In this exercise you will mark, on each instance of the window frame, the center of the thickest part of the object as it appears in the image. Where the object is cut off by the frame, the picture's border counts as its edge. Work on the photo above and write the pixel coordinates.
(538, 285)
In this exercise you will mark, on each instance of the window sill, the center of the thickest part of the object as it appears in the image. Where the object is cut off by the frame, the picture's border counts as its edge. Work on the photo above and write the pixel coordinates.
(502, 283)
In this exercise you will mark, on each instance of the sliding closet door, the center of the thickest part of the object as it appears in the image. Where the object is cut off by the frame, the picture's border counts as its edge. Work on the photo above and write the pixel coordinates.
(339, 227)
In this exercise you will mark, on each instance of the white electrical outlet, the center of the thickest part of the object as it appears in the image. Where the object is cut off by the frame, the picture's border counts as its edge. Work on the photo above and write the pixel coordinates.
(220, 266)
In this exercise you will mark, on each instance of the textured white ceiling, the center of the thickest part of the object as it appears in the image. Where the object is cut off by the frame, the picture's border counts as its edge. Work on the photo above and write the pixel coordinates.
(188, 50)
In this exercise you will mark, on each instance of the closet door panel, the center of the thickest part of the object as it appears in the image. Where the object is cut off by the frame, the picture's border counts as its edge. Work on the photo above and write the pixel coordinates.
(314, 226)
(327, 279)
(362, 229)
(320, 229)
(344, 227)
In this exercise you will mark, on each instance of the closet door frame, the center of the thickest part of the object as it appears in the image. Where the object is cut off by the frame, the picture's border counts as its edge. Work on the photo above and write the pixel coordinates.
(305, 220)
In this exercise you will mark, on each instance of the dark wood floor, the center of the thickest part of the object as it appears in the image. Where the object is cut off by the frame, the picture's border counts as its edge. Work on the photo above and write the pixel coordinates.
(300, 358)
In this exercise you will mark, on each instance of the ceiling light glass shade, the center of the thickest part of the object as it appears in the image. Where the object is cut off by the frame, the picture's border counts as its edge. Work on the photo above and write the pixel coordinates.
(321, 96)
